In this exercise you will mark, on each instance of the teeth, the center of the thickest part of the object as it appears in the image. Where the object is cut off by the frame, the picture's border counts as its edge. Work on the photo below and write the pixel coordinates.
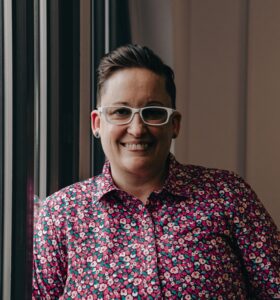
(136, 146)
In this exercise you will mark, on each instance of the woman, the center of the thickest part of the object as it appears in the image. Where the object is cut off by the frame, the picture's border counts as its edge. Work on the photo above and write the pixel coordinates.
(149, 227)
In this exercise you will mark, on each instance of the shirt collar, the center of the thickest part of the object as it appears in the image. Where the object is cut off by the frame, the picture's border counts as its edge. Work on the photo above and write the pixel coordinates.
(178, 177)
(103, 183)
(176, 181)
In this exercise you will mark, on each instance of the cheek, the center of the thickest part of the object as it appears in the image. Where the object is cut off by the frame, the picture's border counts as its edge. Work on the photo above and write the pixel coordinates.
(110, 133)
(163, 135)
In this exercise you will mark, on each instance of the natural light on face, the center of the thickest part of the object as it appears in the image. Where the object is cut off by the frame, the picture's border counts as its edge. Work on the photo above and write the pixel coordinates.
(136, 147)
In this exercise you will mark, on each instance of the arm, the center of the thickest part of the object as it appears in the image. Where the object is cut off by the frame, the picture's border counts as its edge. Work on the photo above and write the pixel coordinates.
(49, 254)
(258, 241)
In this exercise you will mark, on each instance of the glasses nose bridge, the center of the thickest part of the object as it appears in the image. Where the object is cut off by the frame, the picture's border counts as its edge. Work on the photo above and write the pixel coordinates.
(139, 111)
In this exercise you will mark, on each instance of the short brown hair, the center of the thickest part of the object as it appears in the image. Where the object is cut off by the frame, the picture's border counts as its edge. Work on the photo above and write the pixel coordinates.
(135, 56)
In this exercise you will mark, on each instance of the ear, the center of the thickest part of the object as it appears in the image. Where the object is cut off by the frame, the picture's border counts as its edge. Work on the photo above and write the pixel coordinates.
(176, 124)
(95, 121)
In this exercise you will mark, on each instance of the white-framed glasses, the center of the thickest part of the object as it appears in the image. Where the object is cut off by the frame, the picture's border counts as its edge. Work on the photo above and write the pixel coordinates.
(150, 115)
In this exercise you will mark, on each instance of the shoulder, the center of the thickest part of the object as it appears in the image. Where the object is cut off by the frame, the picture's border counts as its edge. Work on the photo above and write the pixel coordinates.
(185, 179)
(224, 189)
(74, 196)
(223, 193)
(216, 185)
(214, 178)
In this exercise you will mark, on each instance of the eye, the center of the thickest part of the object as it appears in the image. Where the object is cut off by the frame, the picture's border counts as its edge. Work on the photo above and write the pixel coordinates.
(154, 113)
(122, 111)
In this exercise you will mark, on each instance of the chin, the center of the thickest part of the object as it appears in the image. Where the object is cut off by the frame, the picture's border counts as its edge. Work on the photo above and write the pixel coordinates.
(143, 167)
(138, 163)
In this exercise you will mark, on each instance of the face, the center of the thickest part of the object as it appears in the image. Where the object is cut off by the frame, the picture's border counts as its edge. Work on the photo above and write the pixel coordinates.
(135, 148)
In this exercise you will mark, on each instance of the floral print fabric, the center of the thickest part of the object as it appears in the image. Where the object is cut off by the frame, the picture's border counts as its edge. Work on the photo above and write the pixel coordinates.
(204, 235)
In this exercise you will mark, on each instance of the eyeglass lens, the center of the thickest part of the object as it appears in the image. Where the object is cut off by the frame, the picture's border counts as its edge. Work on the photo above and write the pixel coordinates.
(154, 115)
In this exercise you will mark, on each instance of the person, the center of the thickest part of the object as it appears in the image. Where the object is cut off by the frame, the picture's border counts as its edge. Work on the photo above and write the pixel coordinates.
(149, 227)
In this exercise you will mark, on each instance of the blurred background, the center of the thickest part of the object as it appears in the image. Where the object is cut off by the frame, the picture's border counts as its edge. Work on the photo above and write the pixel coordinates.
(225, 55)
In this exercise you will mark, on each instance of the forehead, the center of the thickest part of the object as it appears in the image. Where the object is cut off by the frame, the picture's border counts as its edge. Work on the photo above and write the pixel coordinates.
(134, 86)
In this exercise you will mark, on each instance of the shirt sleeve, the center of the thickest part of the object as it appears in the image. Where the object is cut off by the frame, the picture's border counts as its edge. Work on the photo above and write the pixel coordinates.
(49, 257)
(258, 241)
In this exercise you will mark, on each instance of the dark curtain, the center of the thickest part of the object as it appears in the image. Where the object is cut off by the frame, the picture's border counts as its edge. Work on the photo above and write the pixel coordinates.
(23, 148)
(120, 33)
(63, 93)
(1, 144)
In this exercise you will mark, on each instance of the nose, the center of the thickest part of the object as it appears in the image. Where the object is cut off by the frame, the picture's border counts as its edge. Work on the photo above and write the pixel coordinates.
(136, 127)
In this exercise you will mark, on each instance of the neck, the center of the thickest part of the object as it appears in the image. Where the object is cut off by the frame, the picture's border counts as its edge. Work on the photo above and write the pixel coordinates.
(139, 186)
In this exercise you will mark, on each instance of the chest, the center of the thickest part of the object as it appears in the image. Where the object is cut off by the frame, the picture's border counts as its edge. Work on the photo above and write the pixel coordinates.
(181, 249)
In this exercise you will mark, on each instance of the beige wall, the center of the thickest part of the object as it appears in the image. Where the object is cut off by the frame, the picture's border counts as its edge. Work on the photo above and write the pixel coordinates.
(213, 98)
(227, 64)
(263, 103)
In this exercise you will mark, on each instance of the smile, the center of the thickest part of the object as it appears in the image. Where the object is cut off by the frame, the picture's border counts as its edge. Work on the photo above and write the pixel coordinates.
(143, 146)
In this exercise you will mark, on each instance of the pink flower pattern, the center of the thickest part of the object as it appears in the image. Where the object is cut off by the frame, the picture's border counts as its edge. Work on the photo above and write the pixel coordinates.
(204, 235)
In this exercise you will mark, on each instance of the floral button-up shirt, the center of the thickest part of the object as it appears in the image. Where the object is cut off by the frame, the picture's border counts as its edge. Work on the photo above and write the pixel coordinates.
(204, 235)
